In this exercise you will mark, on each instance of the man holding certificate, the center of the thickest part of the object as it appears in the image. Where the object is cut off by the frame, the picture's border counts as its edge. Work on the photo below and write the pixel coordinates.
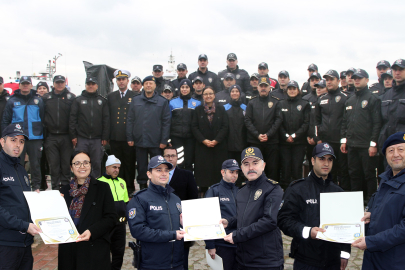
(299, 216)
(259, 244)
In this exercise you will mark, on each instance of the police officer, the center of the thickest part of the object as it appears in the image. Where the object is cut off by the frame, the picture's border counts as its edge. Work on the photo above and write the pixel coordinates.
(388, 79)
(26, 108)
(198, 85)
(350, 82)
(58, 145)
(118, 105)
(329, 111)
(4, 97)
(181, 75)
(306, 87)
(392, 107)
(89, 124)
(224, 96)
(160, 81)
(263, 70)
(299, 219)
(136, 85)
(254, 84)
(120, 194)
(314, 78)
(226, 191)
(167, 92)
(148, 126)
(283, 80)
(258, 239)
(16, 227)
(378, 87)
(263, 119)
(343, 82)
(361, 126)
(241, 75)
(209, 78)
(293, 132)
(154, 216)
(383, 244)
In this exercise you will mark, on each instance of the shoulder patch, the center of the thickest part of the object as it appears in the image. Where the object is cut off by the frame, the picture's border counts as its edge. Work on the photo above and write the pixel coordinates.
(344, 93)
(272, 181)
(275, 97)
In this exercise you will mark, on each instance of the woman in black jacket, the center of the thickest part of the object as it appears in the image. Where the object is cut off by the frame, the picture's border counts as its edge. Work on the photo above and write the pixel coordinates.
(92, 209)
(210, 129)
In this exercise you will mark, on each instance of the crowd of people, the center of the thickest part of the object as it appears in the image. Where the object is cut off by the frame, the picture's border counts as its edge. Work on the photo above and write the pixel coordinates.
(347, 131)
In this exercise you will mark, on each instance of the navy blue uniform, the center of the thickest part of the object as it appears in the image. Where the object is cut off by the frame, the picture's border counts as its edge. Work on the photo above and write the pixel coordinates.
(385, 235)
(154, 217)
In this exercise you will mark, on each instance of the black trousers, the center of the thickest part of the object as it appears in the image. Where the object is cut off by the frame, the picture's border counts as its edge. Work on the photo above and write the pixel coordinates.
(117, 246)
(188, 145)
(34, 150)
(308, 153)
(302, 266)
(143, 161)
(16, 258)
(58, 149)
(44, 170)
(292, 157)
(241, 267)
(340, 171)
(362, 171)
(228, 255)
(270, 154)
(126, 154)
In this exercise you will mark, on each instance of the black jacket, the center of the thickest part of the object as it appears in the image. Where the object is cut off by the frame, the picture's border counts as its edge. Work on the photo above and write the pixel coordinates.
(237, 136)
(224, 97)
(350, 90)
(209, 78)
(118, 109)
(378, 87)
(160, 84)
(251, 94)
(257, 236)
(176, 86)
(4, 96)
(15, 214)
(263, 116)
(301, 209)
(198, 97)
(329, 115)
(89, 117)
(99, 217)
(280, 93)
(295, 112)
(154, 218)
(181, 109)
(57, 111)
(148, 122)
(241, 75)
(306, 88)
(362, 119)
(226, 193)
(184, 184)
(312, 98)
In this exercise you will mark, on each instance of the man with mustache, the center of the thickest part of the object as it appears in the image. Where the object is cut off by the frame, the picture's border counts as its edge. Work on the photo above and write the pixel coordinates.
(299, 216)
(258, 240)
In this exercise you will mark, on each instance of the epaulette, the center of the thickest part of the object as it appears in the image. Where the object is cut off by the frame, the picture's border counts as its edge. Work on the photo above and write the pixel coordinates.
(214, 185)
(296, 181)
(103, 96)
(273, 182)
(275, 97)
(344, 92)
(253, 97)
(373, 84)
(139, 191)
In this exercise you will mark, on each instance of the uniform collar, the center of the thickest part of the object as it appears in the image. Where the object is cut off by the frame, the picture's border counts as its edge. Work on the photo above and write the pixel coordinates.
(319, 180)
(10, 160)
(161, 190)
(109, 176)
(361, 91)
(226, 184)
(257, 181)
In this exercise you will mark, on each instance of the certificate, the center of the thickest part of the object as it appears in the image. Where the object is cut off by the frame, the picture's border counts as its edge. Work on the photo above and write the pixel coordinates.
(341, 213)
(201, 219)
(49, 212)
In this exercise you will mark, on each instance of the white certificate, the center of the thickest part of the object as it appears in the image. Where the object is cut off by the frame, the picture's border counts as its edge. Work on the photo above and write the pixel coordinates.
(49, 212)
(341, 213)
(201, 219)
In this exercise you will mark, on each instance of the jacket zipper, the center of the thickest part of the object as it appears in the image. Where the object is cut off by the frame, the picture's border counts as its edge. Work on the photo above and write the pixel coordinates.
(28, 217)
(243, 217)
(171, 227)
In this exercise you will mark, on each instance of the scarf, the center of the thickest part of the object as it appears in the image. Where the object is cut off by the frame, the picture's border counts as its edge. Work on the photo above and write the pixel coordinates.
(78, 194)
(209, 112)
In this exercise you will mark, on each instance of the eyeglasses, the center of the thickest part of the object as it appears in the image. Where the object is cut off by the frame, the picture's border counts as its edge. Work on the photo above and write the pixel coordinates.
(170, 156)
(208, 94)
(78, 164)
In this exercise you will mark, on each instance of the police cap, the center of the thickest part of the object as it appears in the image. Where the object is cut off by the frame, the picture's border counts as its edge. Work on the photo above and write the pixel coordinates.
(253, 152)
(158, 160)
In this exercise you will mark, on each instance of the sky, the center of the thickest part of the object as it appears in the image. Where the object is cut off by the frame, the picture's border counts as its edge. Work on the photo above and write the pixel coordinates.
(135, 35)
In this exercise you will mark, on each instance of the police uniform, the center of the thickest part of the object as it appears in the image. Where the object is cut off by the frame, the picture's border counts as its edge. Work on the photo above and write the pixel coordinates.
(154, 217)
(378, 87)
(4, 97)
(118, 104)
(328, 123)
(360, 129)
(300, 211)
(306, 86)
(209, 78)
(258, 239)
(241, 76)
(120, 195)
(161, 82)
(224, 97)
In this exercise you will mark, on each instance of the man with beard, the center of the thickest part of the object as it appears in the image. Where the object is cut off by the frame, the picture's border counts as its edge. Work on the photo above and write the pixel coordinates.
(136, 85)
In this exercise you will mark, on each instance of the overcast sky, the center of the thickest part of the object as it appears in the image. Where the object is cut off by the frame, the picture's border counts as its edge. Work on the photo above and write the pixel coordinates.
(135, 35)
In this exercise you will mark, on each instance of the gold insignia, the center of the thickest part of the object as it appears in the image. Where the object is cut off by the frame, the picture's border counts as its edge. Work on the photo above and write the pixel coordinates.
(404, 138)
(258, 193)
(263, 80)
(270, 104)
(364, 103)
(129, 100)
(273, 182)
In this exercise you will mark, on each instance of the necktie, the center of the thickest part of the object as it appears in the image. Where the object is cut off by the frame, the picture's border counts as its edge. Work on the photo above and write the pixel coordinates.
(122, 95)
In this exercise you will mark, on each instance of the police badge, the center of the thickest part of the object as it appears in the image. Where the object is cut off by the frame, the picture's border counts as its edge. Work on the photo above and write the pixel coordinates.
(122, 186)
(238, 76)
(299, 107)
(193, 103)
(178, 207)
(69, 96)
(26, 180)
(258, 193)
(36, 101)
(337, 98)
(364, 103)
(100, 102)
(270, 104)
(210, 80)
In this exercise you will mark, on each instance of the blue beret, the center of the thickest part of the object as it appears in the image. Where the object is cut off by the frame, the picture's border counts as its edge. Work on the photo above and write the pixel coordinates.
(395, 138)
(148, 78)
